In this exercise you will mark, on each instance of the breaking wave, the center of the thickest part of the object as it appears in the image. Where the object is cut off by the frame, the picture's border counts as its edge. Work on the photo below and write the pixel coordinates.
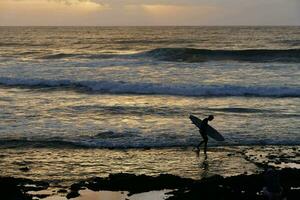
(193, 55)
(202, 55)
(58, 56)
(136, 142)
(114, 87)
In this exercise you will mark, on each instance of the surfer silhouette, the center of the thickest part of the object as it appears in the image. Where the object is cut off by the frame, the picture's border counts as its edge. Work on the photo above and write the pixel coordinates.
(202, 131)
(205, 130)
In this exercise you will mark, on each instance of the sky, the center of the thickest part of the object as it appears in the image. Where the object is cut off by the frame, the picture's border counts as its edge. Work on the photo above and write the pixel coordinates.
(148, 12)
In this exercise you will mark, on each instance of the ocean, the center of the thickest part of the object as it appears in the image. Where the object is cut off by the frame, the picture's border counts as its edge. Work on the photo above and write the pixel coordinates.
(116, 89)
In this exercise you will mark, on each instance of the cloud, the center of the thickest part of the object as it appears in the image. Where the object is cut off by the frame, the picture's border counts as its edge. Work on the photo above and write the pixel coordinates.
(50, 4)
(161, 9)
(162, 14)
(48, 12)
(149, 12)
(72, 2)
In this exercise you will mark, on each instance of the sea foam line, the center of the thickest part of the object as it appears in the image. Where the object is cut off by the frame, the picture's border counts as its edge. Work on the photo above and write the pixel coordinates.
(136, 142)
(195, 55)
(118, 87)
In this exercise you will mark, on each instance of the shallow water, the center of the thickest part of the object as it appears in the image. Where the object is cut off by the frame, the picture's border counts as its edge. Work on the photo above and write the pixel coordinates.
(65, 166)
(62, 167)
(64, 117)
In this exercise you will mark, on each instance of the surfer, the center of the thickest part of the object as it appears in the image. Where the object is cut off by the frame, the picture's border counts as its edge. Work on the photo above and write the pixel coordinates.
(202, 131)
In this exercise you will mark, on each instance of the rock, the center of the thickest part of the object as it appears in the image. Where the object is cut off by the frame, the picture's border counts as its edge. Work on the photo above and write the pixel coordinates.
(73, 194)
(17, 188)
(24, 169)
(215, 187)
(62, 191)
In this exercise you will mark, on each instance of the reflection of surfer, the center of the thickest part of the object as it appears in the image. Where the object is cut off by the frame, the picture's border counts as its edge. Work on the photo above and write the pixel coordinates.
(202, 131)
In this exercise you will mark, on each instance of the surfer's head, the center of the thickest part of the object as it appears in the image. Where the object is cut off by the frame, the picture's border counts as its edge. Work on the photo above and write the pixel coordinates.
(210, 117)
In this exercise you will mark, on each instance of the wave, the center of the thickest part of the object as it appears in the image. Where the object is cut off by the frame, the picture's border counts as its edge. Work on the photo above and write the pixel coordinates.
(240, 110)
(130, 110)
(86, 56)
(193, 55)
(114, 87)
(290, 42)
(58, 56)
(17, 44)
(115, 141)
(14, 143)
(125, 142)
(203, 55)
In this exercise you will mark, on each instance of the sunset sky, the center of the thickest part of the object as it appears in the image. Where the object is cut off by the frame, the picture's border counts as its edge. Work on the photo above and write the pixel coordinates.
(149, 12)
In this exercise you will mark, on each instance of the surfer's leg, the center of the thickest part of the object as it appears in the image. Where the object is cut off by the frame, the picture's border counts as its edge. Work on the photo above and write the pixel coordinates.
(205, 144)
(198, 146)
(203, 136)
(205, 147)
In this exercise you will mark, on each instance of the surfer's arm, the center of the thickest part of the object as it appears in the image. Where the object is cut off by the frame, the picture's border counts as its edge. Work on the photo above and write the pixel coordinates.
(203, 125)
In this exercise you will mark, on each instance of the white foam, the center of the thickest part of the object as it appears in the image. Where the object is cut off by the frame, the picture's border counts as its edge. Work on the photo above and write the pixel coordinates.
(142, 142)
(115, 87)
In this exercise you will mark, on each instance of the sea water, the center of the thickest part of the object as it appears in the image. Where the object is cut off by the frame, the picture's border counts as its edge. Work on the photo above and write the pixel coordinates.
(134, 87)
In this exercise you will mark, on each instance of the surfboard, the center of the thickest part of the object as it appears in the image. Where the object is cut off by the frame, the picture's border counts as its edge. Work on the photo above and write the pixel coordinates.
(211, 132)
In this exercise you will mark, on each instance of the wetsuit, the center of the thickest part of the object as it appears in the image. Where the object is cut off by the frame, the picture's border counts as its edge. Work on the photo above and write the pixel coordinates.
(203, 128)
(202, 131)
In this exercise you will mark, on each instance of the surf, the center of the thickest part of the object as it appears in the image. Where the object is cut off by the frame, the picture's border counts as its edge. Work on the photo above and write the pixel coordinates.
(188, 55)
(120, 141)
(146, 88)
(204, 55)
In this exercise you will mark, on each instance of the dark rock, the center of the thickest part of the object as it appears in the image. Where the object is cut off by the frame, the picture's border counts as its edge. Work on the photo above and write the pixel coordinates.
(42, 196)
(76, 186)
(9, 189)
(17, 188)
(73, 194)
(24, 169)
(241, 187)
(62, 191)
(75, 189)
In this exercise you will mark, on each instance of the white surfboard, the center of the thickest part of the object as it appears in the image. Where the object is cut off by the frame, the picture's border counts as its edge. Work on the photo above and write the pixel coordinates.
(211, 132)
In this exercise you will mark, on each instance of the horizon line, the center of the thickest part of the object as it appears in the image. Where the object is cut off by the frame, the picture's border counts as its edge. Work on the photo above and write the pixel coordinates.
(150, 25)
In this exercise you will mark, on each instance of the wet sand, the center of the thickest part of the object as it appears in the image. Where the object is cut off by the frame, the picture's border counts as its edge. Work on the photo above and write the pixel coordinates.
(235, 172)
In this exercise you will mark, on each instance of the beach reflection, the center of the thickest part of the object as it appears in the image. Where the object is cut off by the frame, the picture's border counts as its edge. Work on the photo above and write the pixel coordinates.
(103, 195)
(205, 168)
(67, 165)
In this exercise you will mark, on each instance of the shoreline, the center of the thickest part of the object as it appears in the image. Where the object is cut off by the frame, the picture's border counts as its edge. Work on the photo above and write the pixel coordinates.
(159, 169)
(56, 144)
(175, 187)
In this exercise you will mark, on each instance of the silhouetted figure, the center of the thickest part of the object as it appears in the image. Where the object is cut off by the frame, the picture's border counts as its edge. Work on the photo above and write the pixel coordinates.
(202, 131)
